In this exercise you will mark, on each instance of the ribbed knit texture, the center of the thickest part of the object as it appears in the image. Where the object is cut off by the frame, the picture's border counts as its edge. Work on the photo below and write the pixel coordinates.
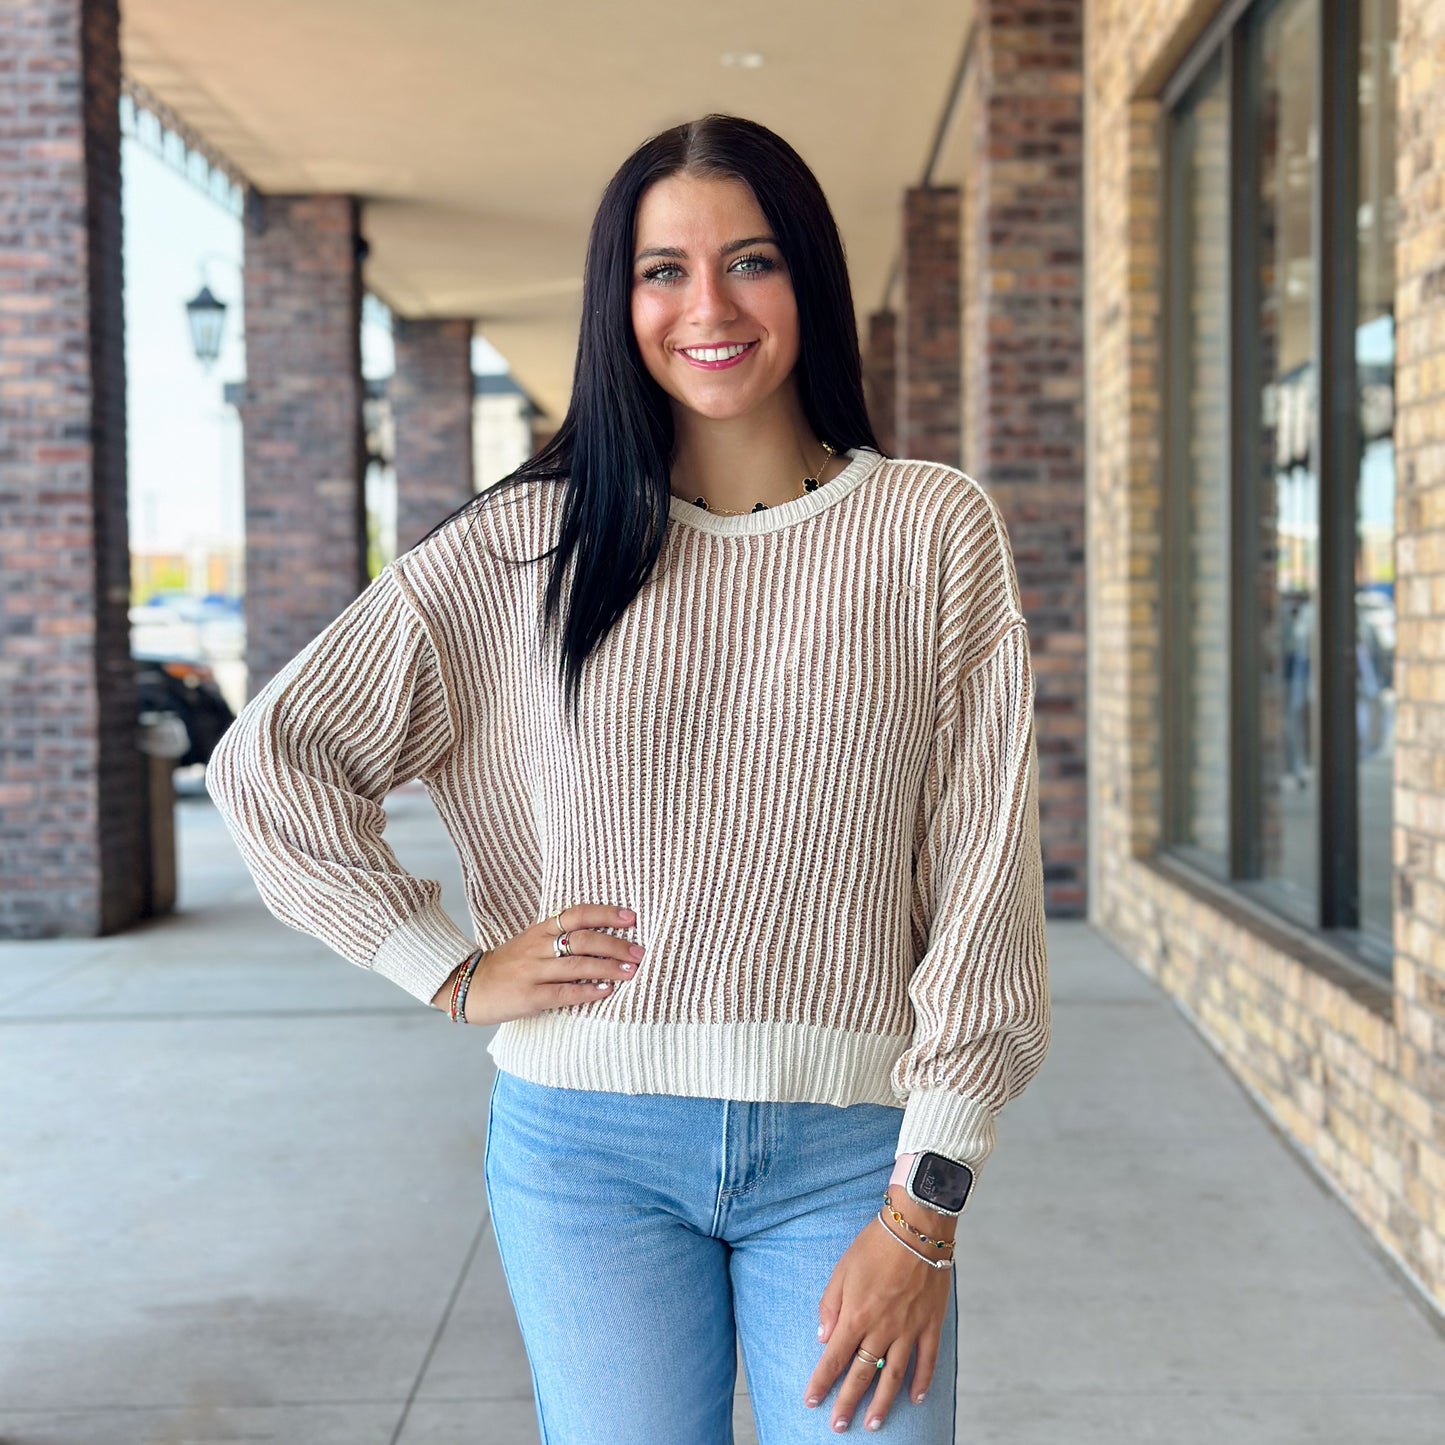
(805, 756)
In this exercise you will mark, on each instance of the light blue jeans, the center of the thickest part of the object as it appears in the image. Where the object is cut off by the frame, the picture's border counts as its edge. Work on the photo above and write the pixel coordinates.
(643, 1235)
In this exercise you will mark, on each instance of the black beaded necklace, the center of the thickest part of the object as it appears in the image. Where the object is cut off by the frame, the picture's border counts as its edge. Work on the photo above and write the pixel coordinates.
(810, 484)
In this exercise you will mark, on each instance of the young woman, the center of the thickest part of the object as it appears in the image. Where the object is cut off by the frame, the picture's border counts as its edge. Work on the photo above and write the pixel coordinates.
(749, 832)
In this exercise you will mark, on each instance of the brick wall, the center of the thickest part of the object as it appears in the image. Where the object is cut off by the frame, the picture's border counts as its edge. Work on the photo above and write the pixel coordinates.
(431, 400)
(927, 401)
(1411, 1193)
(1351, 1069)
(1025, 367)
(73, 849)
(304, 445)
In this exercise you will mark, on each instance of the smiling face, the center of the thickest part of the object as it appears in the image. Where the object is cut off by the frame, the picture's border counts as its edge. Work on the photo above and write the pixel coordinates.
(712, 302)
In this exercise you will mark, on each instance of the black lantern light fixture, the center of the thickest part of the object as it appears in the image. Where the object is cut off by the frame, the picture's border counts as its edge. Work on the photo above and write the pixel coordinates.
(207, 317)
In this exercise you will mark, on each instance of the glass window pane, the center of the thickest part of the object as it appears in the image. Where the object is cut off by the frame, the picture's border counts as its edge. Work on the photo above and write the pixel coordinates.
(1201, 170)
(1285, 491)
(1375, 512)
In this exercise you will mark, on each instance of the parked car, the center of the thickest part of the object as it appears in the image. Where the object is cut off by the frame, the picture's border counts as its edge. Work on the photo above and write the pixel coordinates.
(176, 624)
(185, 690)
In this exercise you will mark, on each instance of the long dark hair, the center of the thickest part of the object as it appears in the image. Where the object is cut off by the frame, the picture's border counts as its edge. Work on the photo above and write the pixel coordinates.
(613, 450)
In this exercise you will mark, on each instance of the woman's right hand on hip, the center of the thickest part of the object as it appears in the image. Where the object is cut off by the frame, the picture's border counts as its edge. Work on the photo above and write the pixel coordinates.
(524, 976)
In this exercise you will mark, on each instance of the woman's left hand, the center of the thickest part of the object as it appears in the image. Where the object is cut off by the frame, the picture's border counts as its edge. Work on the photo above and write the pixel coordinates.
(883, 1300)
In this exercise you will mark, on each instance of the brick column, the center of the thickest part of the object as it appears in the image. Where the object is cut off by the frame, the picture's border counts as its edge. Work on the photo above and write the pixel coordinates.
(928, 384)
(880, 376)
(1027, 350)
(304, 446)
(73, 835)
(1419, 811)
(431, 404)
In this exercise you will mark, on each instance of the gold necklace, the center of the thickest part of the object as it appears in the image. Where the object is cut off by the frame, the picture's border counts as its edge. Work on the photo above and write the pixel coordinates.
(810, 484)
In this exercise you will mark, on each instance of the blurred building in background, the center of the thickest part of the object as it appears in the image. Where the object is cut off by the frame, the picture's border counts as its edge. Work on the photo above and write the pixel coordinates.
(1165, 276)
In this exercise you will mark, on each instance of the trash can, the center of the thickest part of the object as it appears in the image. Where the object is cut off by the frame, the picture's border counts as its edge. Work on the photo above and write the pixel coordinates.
(162, 737)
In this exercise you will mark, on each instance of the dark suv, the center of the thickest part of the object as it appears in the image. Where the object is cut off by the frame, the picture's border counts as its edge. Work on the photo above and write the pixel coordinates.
(188, 691)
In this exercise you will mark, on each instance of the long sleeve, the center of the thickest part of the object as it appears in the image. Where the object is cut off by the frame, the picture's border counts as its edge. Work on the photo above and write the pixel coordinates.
(980, 991)
(300, 776)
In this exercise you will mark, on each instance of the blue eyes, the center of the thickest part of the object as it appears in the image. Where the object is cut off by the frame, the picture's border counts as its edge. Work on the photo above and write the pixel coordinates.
(763, 266)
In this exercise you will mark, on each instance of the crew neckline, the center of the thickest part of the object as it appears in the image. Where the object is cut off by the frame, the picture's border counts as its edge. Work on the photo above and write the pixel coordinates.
(862, 462)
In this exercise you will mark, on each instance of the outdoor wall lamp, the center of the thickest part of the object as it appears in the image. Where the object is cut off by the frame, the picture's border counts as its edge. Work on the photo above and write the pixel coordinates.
(207, 317)
(206, 314)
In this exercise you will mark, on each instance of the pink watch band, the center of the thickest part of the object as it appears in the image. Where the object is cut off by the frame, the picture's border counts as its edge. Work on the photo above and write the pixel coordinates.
(902, 1167)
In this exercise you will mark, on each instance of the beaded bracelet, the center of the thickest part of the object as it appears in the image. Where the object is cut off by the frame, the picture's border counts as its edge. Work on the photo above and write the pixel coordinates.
(937, 1243)
(456, 984)
(463, 983)
(464, 979)
(917, 1254)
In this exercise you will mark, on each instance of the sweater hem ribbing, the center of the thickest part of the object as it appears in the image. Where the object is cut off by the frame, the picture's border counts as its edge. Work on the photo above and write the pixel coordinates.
(786, 1062)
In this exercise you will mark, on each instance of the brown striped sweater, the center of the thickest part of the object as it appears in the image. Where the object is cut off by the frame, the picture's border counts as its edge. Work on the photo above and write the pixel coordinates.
(805, 757)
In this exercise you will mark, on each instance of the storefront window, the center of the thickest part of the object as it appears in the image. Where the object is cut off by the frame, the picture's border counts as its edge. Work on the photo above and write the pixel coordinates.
(1281, 256)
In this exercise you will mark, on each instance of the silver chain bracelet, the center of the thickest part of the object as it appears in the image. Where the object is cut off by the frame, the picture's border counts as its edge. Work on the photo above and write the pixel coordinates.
(931, 1263)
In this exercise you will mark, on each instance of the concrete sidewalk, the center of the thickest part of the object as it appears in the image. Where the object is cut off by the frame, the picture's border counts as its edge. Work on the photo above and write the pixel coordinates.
(241, 1199)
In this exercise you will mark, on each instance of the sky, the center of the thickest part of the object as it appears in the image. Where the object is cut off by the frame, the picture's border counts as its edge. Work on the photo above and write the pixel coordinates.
(184, 440)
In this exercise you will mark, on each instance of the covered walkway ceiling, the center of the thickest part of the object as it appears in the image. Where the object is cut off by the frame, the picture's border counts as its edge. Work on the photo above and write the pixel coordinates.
(480, 134)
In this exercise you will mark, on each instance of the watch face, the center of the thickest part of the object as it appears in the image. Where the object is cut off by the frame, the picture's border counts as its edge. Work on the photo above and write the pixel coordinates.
(941, 1181)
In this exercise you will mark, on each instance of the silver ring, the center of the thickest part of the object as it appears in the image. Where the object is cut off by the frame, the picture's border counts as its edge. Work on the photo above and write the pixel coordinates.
(561, 945)
(869, 1358)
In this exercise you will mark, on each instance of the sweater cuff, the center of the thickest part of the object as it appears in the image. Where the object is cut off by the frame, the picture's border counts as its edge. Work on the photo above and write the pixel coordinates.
(422, 952)
(946, 1123)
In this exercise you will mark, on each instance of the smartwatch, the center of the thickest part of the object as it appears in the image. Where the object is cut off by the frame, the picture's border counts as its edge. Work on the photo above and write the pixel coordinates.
(939, 1183)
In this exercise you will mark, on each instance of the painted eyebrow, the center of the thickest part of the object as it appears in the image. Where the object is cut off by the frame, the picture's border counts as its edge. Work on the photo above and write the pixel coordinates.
(677, 253)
